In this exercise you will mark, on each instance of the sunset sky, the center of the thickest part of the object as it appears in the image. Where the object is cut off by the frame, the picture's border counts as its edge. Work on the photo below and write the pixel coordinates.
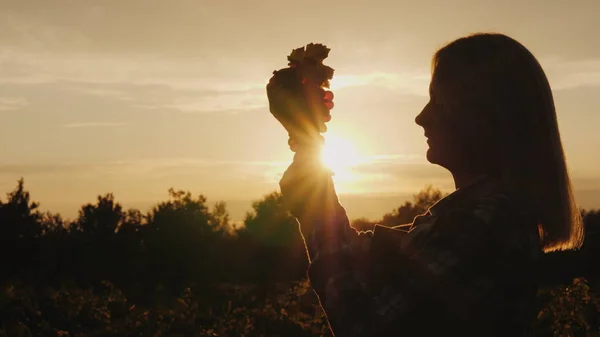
(135, 97)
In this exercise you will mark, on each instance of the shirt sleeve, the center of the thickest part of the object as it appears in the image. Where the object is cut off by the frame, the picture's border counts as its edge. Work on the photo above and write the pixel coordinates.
(379, 283)
(309, 194)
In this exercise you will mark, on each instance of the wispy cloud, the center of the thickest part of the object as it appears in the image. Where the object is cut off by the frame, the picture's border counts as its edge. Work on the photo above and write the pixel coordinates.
(391, 174)
(164, 165)
(411, 82)
(12, 103)
(562, 73)
(29, 169)
(218, 74)
(186, 85)
(94, 125)
(569, 74)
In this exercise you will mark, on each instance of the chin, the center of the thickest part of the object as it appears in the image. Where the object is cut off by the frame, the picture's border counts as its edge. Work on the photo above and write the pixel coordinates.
(435, 158)
(431, 156)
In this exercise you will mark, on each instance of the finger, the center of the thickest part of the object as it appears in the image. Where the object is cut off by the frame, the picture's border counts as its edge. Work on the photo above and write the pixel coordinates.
(321, 92)
(328, 100)
(292, 144)
(273, 79)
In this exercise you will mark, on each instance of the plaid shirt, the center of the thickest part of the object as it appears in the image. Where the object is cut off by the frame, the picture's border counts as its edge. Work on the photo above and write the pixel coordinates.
(464, 268)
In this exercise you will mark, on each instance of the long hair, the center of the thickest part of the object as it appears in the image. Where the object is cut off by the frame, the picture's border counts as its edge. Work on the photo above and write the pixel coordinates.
(501, 87)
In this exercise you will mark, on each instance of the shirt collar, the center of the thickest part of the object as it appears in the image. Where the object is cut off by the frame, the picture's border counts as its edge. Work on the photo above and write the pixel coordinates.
(478, 185)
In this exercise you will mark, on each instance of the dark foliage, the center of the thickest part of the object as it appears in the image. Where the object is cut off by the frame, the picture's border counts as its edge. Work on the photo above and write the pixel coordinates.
(183, 269)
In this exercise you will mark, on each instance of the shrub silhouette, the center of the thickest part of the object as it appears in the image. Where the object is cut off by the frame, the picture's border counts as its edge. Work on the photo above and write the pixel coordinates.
(183, 269)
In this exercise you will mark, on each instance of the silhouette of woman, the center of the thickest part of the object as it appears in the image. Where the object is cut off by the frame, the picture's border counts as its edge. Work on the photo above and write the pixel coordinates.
(467, 267)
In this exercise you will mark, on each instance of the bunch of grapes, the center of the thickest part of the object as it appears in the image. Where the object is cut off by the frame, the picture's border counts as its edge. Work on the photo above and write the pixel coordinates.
(307, 104)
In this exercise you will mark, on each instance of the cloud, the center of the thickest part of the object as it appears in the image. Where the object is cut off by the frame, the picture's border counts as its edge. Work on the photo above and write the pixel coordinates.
(12, 103)
(134, 25)
(168, 96)
(226, 72)
(410, 176)
(201, 100)
(409, 82)
(143, 180)
(585, 181)
(563, 74)
(385, 183)
(27, 169)
(142, 166)
(93, 125)
(391, 174)
(569, 74)
(146, 81)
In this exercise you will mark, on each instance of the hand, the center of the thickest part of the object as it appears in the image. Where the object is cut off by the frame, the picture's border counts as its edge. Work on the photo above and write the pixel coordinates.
(302, 108)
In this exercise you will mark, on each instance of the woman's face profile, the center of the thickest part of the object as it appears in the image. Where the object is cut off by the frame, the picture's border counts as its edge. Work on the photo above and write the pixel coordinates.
(444, 129)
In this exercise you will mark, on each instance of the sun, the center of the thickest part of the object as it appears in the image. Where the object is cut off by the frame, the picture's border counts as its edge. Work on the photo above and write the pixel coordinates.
(339, 154)
(338, 82)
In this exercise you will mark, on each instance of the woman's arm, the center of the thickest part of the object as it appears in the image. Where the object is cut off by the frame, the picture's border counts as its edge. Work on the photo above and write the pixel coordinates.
(441, 281)
(340, 257)
(338, 254)
(309, 194)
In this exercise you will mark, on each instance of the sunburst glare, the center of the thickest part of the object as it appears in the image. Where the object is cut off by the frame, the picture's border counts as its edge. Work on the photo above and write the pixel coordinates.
(339, 154)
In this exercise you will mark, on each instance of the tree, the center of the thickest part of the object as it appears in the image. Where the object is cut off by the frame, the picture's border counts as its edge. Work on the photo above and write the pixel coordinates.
(52, 222)
(220, 220)
(270, 222)
(182, 216)
(102, 218)
(131, 223)
(19, 216)
(183, 240)
(20, 228)
(272, 246)
(363, 224)
(407, 212)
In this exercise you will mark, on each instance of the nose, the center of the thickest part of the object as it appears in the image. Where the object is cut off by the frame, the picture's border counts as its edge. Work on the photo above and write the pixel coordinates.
(423, 117)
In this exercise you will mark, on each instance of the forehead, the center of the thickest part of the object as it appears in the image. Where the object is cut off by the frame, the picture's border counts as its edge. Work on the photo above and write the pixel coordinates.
(435, 85)
(444, 91)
